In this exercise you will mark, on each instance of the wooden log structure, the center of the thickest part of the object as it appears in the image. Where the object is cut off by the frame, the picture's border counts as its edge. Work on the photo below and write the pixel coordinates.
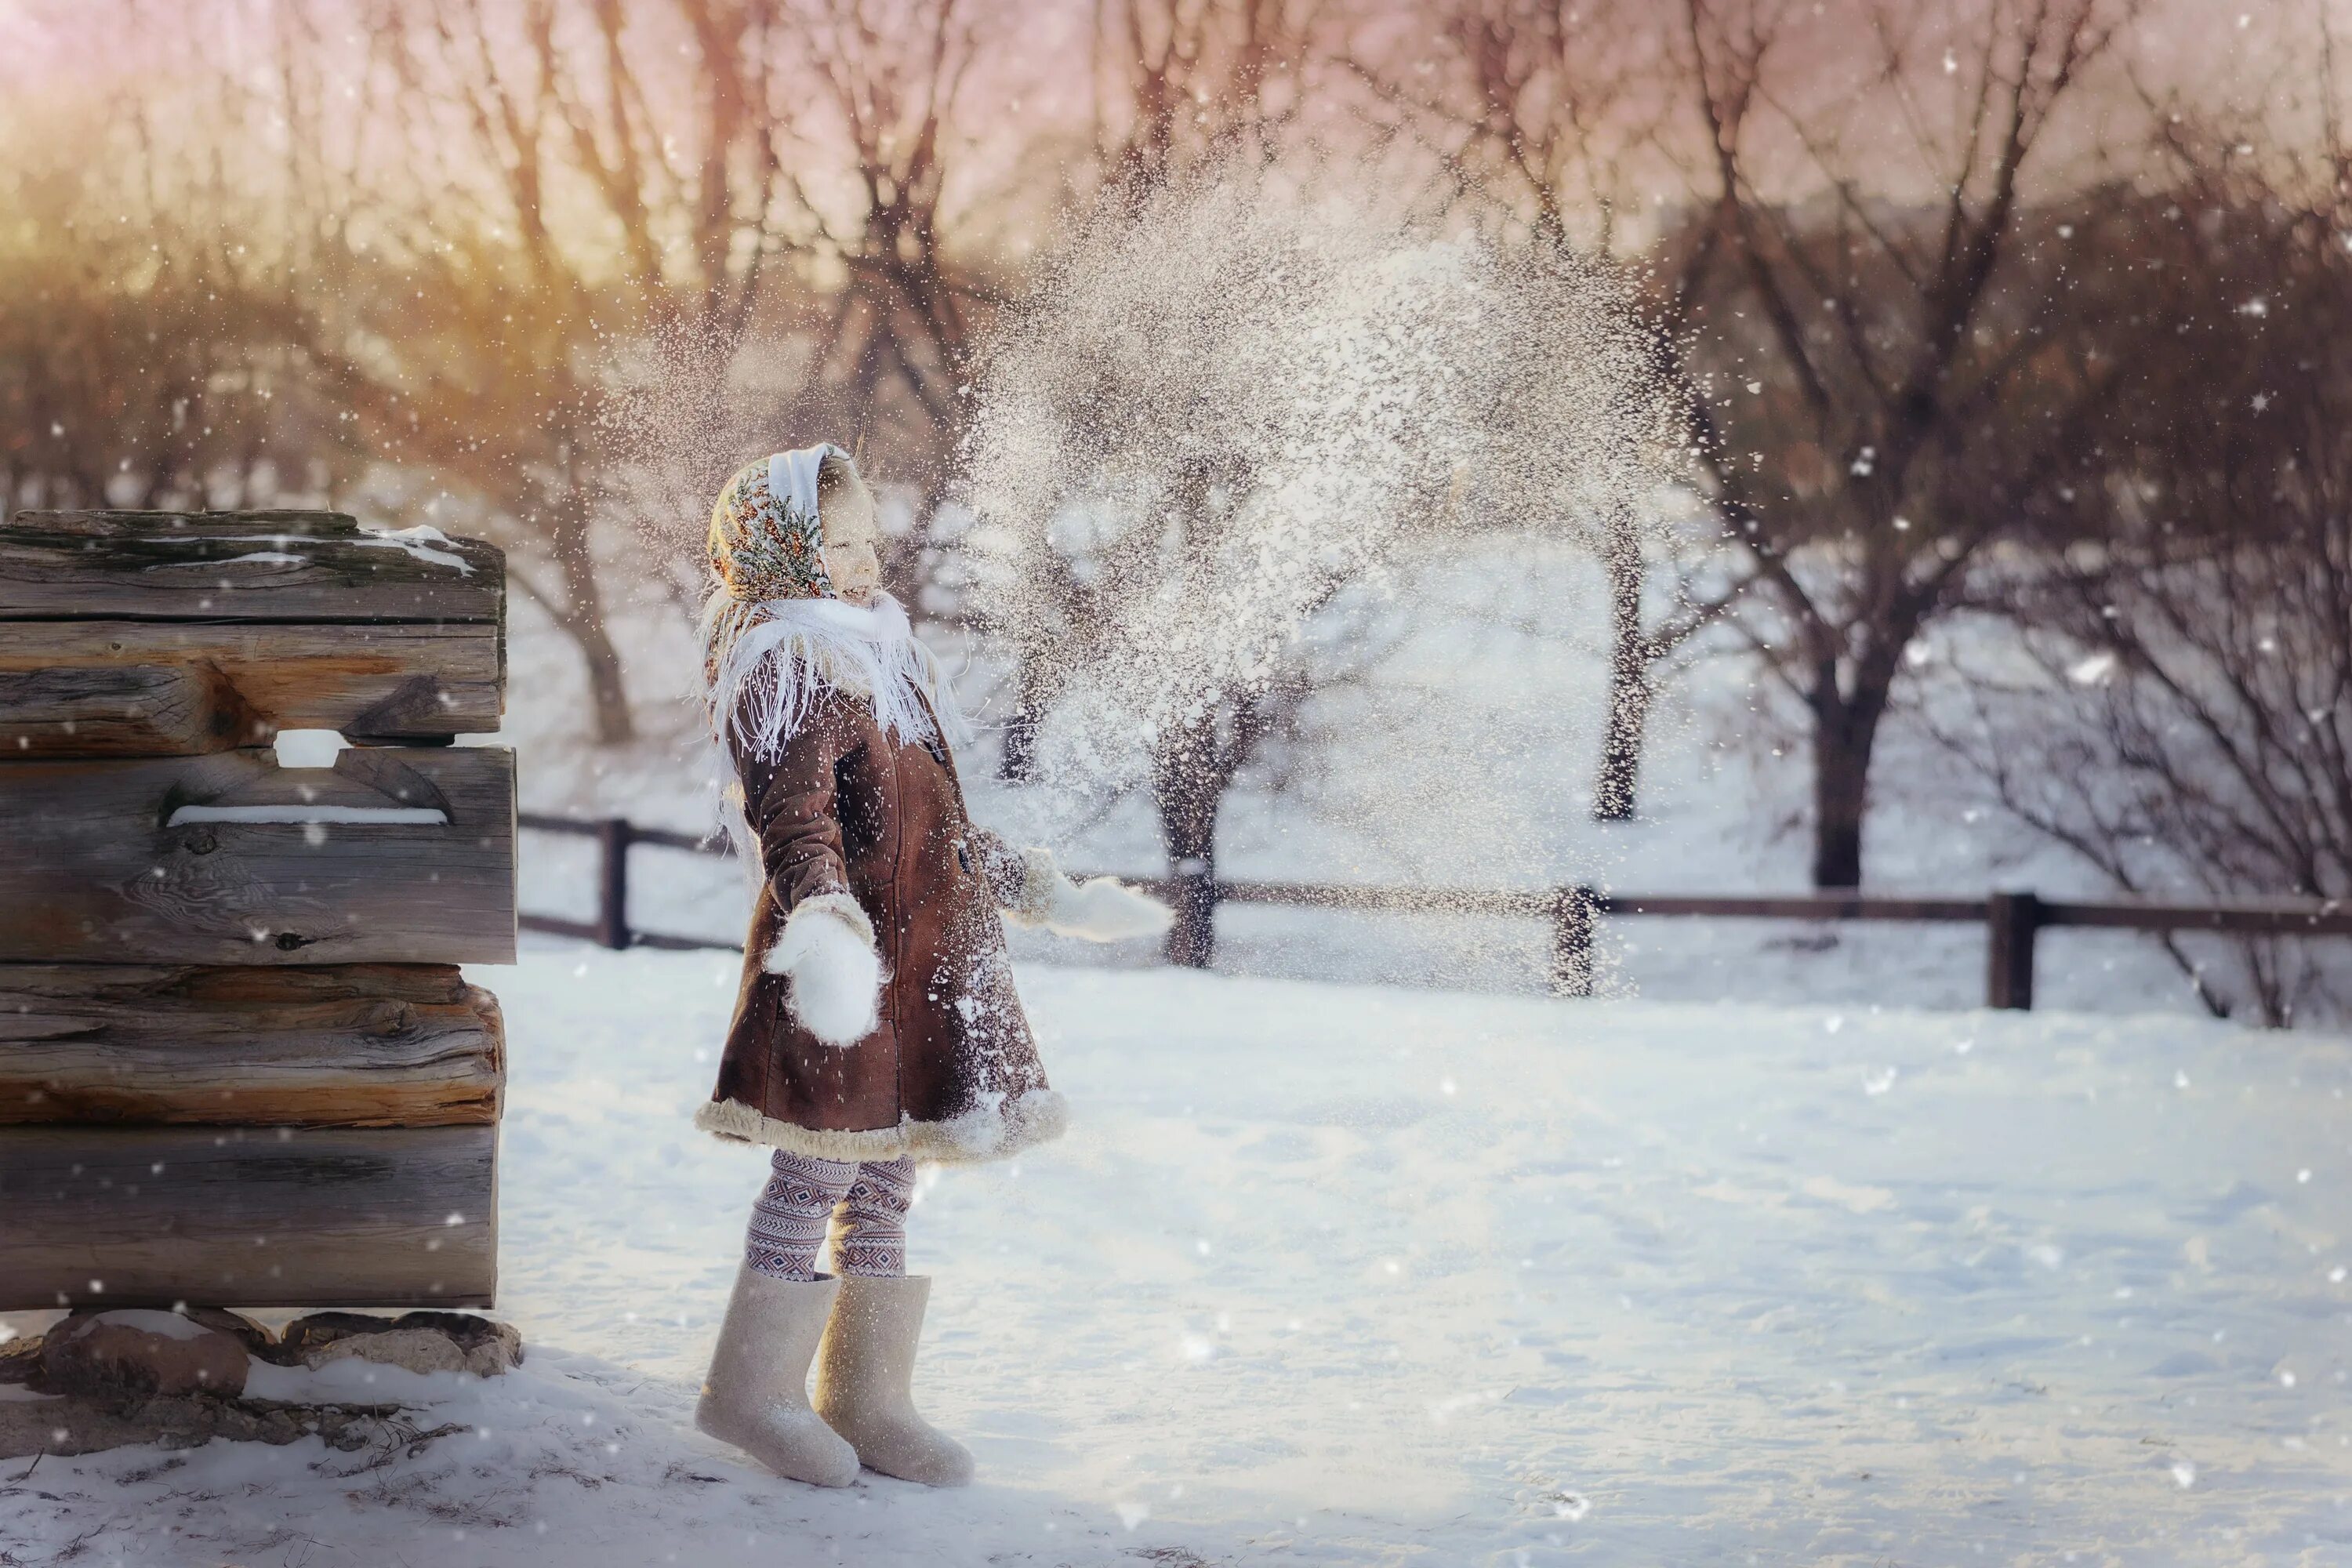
(228, 858)
(97, 689)
(275, 1217)
(237, 1064)
(160, 633)
(339, 1045)
(313, 566)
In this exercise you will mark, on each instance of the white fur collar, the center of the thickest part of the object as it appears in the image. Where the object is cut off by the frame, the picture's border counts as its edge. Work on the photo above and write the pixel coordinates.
(766, 678)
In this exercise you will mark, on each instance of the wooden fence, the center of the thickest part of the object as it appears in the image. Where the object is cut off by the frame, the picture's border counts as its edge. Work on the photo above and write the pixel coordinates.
(2012, 920)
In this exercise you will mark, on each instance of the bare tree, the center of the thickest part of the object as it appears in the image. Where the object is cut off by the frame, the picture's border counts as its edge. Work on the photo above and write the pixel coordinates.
(493, 374)
(1180, 84)
(2187, 723)
(1548, 116)
(1230, 403)
(622, 200)
(191, 388)
(1884, 382)
(156, 345)
(881, 85)
(494, 236)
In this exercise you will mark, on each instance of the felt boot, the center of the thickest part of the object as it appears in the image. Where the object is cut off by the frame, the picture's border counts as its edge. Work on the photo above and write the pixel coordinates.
(864, 1383)
(756, 1395)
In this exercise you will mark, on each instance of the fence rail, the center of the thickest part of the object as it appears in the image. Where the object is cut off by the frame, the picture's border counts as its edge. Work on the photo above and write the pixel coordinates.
(2012, 920)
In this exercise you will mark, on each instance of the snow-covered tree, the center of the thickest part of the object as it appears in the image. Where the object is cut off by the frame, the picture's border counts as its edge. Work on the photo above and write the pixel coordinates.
(1227, 404)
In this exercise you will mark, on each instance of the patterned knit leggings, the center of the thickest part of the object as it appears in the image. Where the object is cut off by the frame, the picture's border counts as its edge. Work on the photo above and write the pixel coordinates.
(865, 1204)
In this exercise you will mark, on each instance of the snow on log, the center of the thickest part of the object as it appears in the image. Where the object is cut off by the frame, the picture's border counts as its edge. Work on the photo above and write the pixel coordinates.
(108, 879)
(125, 688)
(313, 566)
(248, 1217)
(339, 1045)
(340, 816)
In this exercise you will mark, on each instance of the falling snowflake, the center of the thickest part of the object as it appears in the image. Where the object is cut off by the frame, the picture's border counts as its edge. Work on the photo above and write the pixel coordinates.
(2092, 670)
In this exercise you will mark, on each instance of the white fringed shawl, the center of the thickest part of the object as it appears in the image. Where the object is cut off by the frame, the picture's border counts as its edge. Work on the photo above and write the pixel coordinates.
(763, 677)
(797, 647)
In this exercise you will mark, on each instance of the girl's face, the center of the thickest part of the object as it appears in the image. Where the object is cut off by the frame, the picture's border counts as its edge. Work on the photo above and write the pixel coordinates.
(853, 554)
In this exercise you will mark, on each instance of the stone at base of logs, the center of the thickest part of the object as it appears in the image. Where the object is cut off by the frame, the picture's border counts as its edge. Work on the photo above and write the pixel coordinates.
(177, 1379)
(420, 1342)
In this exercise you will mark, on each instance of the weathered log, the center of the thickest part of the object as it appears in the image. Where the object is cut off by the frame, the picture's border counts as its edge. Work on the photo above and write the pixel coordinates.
(259, 1216)
(314, 566)
(118, 688)
(115, 861)
(340, 1045)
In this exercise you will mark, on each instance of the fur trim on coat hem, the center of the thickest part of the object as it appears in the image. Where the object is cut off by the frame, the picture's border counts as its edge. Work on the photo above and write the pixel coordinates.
(996, 1127)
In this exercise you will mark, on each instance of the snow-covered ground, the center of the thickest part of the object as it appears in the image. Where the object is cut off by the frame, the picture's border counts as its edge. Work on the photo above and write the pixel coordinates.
(1331, 1274)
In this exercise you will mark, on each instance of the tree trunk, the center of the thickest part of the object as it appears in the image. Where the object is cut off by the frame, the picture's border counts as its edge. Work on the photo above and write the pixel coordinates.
(320, 1044)
(584, 621)
(1018, 764)
(608, 697)
(132, 860)
(1839, 801)
(1845, 731)
(1192, 940)
(1613, 790)
(1630, 689)
(1188, 785)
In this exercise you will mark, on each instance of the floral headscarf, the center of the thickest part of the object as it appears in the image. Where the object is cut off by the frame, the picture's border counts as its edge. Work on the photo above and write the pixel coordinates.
(766, 542)
(774, 631)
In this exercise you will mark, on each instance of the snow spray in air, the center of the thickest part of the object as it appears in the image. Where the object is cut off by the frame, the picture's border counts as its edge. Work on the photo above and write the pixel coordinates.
(1231, 447)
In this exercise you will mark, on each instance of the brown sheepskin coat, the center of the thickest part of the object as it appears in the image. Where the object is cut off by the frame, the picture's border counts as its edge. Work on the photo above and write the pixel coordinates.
(875, 829)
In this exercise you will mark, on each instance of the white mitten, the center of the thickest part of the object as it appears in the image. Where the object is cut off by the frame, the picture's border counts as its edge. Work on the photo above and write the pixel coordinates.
(826, 950)
(1102, 909)
(1098, 910)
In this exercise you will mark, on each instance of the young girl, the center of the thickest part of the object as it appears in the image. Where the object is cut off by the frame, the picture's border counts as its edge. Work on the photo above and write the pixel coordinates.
(877, 1023)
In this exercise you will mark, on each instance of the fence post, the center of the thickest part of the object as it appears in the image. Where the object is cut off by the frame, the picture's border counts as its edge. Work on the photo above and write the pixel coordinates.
(1573, 911)
(2011, 921)
(612, 835)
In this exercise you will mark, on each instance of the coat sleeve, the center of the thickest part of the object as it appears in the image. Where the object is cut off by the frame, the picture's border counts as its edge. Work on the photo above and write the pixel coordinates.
(1021, 881)
(790, 802)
